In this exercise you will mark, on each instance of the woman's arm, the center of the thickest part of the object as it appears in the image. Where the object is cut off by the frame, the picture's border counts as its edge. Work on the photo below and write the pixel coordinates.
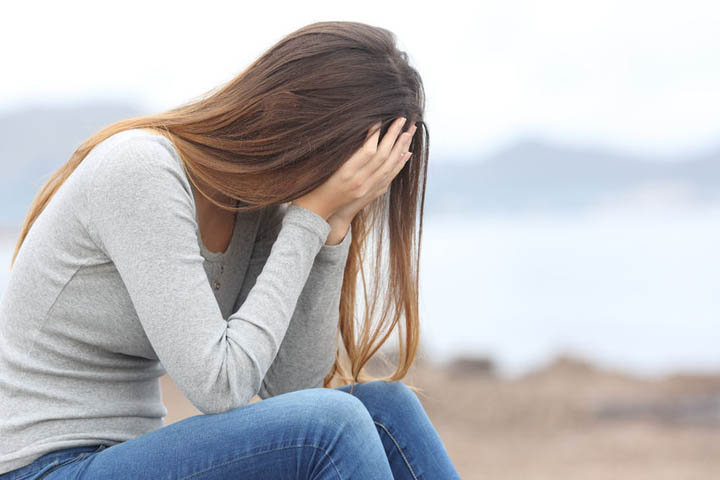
(308, 350)
(139, 211)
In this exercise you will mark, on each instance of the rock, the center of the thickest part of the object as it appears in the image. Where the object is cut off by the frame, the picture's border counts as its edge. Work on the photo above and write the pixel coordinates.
(464, 366)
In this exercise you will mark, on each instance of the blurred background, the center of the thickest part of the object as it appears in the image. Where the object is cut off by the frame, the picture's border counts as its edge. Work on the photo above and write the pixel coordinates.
(569, 277)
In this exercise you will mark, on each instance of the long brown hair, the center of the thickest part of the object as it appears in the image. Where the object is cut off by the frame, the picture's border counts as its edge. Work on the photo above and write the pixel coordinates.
(278, 130)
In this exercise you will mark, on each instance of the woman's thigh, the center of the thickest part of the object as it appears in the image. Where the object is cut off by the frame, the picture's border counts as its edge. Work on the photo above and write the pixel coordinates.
(412, 445)
(315, 433)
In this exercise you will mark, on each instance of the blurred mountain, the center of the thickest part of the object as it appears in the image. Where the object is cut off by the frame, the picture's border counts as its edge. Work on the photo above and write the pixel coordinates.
(35, 141)
(528, 175)
(534, 175)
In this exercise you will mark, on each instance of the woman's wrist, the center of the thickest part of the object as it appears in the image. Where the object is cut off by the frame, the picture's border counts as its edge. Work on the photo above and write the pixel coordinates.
(339, 228)
(316, 208)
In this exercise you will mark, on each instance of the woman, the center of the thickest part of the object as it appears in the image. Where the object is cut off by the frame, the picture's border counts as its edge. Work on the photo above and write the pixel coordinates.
(220, 243)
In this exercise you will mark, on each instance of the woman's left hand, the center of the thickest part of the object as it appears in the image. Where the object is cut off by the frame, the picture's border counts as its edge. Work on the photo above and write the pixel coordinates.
(340, 220)
(386, 172)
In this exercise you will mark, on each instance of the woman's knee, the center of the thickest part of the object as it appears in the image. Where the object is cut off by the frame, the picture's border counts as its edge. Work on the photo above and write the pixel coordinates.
(339, 426)
(386, 397)
(328, 408)
(395, 391)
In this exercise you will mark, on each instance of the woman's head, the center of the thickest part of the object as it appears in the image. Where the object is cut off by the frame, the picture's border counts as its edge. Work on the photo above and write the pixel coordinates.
(280, 128)
(297, 112)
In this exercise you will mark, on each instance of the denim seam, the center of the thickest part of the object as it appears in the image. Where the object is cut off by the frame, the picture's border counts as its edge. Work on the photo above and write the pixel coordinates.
(397, 445)
(266, 451)
(54, 462)
(63, 463)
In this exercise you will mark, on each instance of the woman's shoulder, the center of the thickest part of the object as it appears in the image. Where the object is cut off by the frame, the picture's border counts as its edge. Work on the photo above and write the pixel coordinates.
(134, 165)
(137, 141)
(134, 176)
(132, 155)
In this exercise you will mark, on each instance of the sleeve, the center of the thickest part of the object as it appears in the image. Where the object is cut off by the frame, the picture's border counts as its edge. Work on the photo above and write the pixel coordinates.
(308, 350)
(141, 213)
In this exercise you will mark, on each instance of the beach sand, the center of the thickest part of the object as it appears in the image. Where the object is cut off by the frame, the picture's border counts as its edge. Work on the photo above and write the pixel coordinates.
(566, 420)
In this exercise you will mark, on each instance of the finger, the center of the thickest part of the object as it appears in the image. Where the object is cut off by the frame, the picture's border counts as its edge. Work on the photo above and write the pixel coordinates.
(381, 178)
(400, 160)
(399, 154)
(390, 138)
(374, 129)
(371, 141)
(383, 175)
(401, 164)
(369, 146)
(402, 146)
(378, 157)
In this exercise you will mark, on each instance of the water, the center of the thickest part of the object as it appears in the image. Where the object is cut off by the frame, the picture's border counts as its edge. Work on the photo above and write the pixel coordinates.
(635, 290)
(631, 289)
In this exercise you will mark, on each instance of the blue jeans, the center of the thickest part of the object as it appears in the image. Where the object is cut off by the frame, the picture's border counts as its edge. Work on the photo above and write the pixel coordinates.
(380, 431)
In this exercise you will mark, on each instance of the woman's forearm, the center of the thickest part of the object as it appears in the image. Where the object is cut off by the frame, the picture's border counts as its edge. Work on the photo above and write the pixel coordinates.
(308, 348)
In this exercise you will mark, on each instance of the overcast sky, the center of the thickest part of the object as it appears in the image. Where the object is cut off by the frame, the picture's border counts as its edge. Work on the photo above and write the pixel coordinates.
(632, 75)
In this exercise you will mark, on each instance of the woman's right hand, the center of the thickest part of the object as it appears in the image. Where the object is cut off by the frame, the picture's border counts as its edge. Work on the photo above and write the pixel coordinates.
(364, 176)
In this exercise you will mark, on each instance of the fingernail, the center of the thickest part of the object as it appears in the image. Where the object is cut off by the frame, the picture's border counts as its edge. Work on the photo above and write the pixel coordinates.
(403, 121)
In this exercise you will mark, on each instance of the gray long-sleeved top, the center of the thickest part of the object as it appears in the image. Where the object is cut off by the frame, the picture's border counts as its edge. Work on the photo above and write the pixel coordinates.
(113, 287)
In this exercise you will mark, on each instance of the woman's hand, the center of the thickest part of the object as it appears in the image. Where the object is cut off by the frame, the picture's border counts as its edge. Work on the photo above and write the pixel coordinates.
(363, 177)
(380, 181)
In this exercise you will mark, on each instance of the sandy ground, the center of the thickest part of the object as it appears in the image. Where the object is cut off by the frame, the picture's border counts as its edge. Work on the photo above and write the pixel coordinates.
(568, 420)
